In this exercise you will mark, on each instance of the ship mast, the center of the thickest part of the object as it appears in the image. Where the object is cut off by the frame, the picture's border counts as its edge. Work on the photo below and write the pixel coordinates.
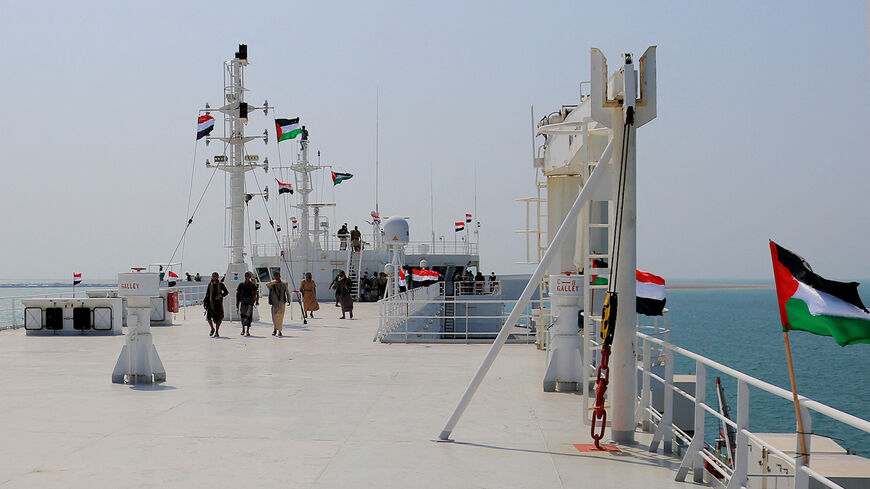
(303, 171)
(234, 161)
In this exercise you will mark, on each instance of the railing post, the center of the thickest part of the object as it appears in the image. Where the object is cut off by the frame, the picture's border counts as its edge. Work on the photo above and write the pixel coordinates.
(741, 451)
(642, 414)
(801, 478)
(13, 313)
(693, 453)
(665, 432)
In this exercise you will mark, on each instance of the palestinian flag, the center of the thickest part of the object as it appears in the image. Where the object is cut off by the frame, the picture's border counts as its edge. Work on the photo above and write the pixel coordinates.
(257, 225)
(424, 275)
(287, 128)
(809, 302)
(650, 292)
(340, 177)
(204, 126)
(467, 217)
(284, 188)
(459, 226)
(77, 278)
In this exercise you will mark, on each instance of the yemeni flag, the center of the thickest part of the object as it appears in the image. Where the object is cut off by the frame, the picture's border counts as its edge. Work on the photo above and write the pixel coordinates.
(204, 126)
(257, 225)
(340, 177)
(284, 188)
(650, 292)
(287, 128)
(809, 302)
(294, 222)
(77, 278)
(278, 228)
(402, 281)
(424, 275)
(467, 217)
(459, 226)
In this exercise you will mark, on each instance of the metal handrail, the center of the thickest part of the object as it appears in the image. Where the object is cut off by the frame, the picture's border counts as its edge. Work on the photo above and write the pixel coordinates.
(697, 451)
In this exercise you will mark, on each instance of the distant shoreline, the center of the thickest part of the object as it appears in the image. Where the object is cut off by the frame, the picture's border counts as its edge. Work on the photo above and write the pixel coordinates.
(719, 286)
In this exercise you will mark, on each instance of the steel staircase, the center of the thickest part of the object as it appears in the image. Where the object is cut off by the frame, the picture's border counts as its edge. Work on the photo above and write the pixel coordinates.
(353, 266)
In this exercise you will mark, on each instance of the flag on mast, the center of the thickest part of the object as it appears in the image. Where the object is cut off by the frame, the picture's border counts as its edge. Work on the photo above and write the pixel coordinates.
(467, 217)
(204, 126)
(256, 225)
(340, 177)
(294, 222)
(77, 278)
(284, 188)
(287, 128)
(809, 302)
(459, 226)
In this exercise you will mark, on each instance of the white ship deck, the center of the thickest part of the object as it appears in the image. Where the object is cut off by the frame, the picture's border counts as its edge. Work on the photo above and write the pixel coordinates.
(323, 407)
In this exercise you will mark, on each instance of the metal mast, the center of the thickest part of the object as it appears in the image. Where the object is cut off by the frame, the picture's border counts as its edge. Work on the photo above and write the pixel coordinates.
(235, 161)
(303, 171)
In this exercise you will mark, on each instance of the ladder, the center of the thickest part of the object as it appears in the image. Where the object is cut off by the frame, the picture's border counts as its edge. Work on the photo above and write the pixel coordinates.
(449, 318)
(353, 266)
(597, 243)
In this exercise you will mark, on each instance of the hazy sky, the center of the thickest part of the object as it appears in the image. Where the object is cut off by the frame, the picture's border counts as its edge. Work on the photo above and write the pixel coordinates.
(762, 129)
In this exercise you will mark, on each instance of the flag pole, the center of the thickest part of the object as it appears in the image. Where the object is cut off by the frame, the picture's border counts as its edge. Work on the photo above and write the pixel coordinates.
(797, 409)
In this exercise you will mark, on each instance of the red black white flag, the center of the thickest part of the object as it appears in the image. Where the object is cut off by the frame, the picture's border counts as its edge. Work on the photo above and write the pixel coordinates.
(204, 126)
(460, 226)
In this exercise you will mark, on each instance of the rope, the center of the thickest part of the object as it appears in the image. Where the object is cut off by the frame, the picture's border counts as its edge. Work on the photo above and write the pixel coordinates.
(620, 198)
(189, 193)
(190, 219)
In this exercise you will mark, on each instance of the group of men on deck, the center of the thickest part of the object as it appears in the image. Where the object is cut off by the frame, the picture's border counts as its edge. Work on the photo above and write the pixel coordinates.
(248, 296)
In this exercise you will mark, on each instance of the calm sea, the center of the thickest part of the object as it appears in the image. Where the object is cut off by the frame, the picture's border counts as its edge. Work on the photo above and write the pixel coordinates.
(741, 329)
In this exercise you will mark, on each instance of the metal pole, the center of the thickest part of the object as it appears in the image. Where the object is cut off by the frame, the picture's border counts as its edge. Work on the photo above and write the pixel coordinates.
(570, 219)
(622, 364)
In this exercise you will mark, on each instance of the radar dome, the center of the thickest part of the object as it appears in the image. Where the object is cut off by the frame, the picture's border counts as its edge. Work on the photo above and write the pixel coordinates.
(396, 231)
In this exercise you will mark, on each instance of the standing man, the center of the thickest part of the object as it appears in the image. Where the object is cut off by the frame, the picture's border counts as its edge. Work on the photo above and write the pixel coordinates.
(342, 235)
(342, 291)
(309, 295)
(214, 304)
(356, 239)
(492, 279)
(334, 285)
(246, 296)
(279, 297)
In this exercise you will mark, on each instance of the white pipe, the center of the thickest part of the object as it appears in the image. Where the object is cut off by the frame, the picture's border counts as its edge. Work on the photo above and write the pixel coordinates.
(570, 219)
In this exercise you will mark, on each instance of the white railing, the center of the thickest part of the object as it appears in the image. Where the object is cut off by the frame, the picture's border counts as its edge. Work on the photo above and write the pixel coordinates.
(697, 452)
(395, 310)
(477, 288)
(368, 241)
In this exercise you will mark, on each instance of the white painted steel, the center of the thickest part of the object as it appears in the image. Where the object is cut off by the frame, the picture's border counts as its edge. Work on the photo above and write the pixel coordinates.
(740, 476)
(523, 300)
